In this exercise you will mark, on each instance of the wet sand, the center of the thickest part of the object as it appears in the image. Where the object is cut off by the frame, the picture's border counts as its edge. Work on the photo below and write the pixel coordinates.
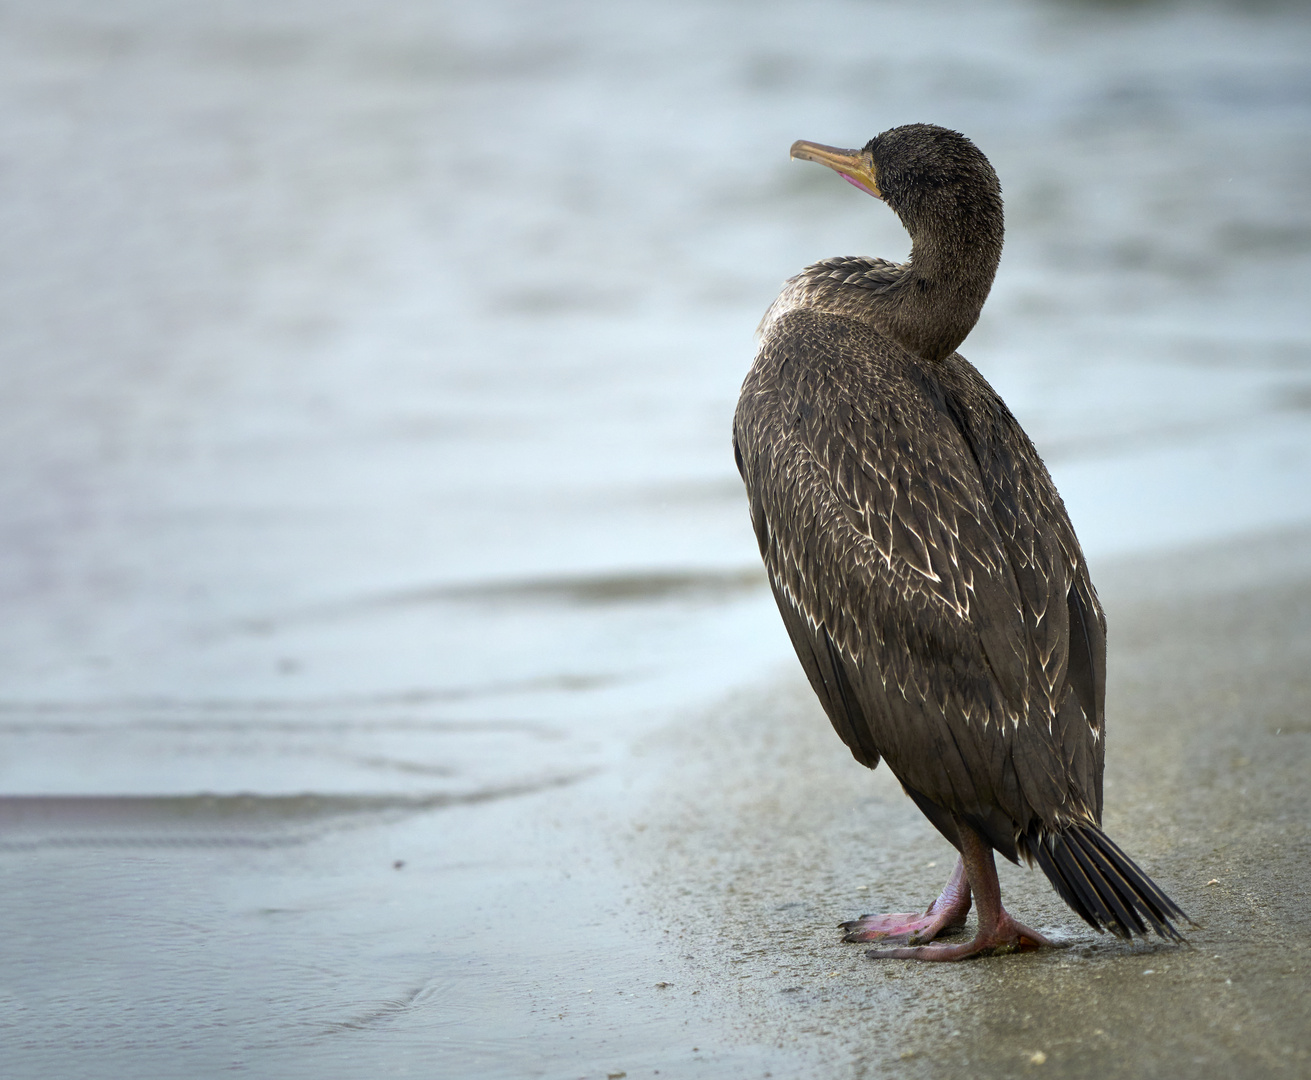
(676, 914)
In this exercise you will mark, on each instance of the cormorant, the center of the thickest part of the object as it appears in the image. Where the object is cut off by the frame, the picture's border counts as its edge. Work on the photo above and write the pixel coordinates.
(923, 562)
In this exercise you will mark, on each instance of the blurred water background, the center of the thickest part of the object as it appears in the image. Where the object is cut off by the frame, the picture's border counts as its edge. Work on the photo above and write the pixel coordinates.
(367, 378)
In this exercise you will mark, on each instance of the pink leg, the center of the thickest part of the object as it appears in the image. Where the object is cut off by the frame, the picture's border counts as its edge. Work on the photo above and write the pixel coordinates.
(947, 911)
(998, 932)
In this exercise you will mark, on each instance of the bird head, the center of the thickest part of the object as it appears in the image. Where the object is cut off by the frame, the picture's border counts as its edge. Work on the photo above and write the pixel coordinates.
(921, 171)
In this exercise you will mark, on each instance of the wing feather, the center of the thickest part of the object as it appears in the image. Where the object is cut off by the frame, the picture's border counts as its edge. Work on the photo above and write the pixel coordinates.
(926, 572)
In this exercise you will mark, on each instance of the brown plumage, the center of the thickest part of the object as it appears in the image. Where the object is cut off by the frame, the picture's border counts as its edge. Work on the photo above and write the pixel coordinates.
(922, 560)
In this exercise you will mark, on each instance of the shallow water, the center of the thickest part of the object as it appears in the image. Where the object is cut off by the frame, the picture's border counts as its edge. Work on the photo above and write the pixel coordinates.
(367, 374)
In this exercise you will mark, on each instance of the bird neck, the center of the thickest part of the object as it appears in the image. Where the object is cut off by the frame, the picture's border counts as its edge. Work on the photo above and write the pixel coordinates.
(952, 265)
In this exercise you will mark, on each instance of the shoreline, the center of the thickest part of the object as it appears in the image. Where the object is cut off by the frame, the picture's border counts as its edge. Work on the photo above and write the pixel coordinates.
(675, 913)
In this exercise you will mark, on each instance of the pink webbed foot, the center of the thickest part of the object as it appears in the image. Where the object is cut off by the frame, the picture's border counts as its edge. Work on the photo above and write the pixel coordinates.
(998, 932)
(1006, 937)
(947, 912)
(915, 928)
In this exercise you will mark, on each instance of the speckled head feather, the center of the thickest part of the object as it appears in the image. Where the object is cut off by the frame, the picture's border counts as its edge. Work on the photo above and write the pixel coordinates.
(917, 162)
(936, 180)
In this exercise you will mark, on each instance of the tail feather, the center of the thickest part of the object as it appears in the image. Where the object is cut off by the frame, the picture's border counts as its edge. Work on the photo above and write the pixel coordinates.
(1069, 882)
(1158, 904)
(1101, 883)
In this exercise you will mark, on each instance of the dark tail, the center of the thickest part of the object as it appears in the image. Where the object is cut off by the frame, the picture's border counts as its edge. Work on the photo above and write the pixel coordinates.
(1102, 883)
